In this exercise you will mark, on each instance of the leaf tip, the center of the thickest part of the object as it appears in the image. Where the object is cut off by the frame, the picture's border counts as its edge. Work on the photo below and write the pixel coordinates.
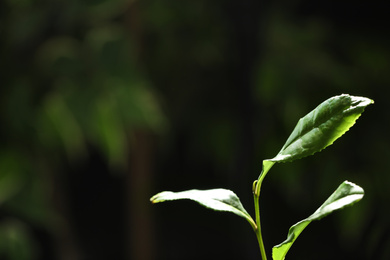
(156, 198)
(153, 200)
(354, 187)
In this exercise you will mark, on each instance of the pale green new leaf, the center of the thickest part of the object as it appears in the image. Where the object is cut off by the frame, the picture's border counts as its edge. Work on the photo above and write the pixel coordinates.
(216, 199)
(346, 194)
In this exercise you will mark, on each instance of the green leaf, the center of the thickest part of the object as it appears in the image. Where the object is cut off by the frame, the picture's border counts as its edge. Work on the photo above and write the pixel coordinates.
(346, 194)
(319, 129)
(216, 199)
(322, 126)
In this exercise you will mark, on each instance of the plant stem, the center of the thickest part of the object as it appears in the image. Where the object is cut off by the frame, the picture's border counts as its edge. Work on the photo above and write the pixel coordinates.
(256, 195)
(267, 165)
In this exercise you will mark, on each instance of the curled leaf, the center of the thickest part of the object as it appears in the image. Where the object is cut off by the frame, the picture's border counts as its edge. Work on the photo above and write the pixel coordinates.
(346, 194)
(216, 199)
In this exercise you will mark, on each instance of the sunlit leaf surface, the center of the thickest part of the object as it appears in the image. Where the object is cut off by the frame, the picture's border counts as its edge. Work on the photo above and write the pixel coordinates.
(322, 126)
(346, 194)
(216, 199)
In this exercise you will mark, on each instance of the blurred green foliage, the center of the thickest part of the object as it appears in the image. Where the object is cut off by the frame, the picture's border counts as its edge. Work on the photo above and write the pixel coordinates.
(71, 78)
(221, 83)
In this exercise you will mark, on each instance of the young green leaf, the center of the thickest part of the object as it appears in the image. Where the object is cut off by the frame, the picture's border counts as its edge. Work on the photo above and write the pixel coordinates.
(320, 128)
(346, 194)
(216, 199)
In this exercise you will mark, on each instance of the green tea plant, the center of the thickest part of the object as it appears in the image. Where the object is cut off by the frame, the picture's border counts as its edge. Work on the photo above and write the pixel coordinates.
(314, 132)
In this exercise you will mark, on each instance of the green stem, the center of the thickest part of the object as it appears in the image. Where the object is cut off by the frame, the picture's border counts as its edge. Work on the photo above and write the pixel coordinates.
(256, 195)
(258, 233)
(267, 165)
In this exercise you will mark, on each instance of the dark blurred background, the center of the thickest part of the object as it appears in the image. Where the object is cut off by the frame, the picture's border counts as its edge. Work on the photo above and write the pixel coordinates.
(104, 103)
